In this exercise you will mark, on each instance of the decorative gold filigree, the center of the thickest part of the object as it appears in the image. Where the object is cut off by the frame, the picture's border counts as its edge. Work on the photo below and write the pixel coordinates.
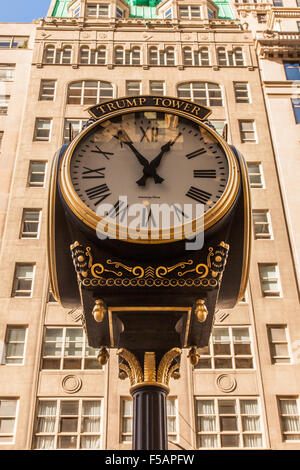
(91, 274)
(136, 373)
(194, 356)
(103, 355)
(99, 311)
(168, 367)
(201, 311)
(149, 367)
(163, 371)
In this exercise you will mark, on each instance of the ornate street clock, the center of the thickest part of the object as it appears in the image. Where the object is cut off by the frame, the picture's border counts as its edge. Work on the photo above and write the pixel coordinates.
(149, 211)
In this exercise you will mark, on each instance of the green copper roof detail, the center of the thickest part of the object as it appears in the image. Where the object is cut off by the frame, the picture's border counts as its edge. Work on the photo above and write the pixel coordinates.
(143, 9)
(60, 9)
(225, 10)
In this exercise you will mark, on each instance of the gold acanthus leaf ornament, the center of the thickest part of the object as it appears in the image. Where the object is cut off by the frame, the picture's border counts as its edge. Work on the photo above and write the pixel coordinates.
(168, 368)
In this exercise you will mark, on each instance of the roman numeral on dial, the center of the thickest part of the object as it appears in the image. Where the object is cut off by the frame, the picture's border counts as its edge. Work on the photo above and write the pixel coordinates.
(101, 191)
(198, 195)
(196, 153)
(205, 174)
(96, 173)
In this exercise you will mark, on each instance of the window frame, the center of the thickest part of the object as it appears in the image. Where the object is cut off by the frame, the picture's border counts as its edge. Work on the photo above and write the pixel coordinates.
(281, 416)
(189, 9)
(84, 86)
(296, 109)
(138, 92)
(15, 417)
(268, 235)
(22, 361)
(270, 293)
(152, 92)
(32, 221)
(238, 415)
(253, 131)
(239, 99)
(8, 68)
(4, 104)
(31, 184)
(59, 416)
(260, 174)
(233, 356)
(83, 357)
(98, 6)
(16, 280)
(12, 43)
(193, 87)
(273, 357)
(37, 129)
(42, 89)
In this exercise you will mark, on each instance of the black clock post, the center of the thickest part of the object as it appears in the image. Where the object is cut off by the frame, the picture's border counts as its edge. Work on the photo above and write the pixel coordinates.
(148, 293)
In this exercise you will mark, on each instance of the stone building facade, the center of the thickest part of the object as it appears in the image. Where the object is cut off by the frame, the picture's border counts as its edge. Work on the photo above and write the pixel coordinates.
(244, 393)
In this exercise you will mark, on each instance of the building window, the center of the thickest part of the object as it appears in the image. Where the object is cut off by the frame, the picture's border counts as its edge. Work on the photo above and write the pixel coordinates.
(89, 92)
(67, 348)
(262, 224)
(15, 344)
(241, 91)
(49, 55)
(93, 57)
(23, 280)
(58, 56)
(168, 15)
(47, 90)
(7, 73)
(72, 128)
(13, 42)
(196, 58)
(37, 174)
(127, 415)
(157, 88)
(189, 12)
(96, 10)
(247, 132)
(228, 58)
(8, 414)
(207, 94)
(42, 130)
(278, 3)
(292, 70)
(119, 13)
(133, 88)
(290, 418)
(255, 175)
(68, 424)
(127, 57)
(228, 423)
(30, 223)
(166, 57)
(261, 17)
(228, 348)
(1, 139)
(296, 109)
(298, 25)
(279, 347)
(4, 100)
(269, 280)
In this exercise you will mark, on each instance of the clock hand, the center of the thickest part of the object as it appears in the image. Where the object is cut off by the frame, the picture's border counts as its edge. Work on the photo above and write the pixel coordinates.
(156, 161)
(122, 136)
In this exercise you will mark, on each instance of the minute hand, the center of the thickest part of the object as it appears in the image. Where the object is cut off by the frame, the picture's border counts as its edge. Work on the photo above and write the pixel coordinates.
(164, 149)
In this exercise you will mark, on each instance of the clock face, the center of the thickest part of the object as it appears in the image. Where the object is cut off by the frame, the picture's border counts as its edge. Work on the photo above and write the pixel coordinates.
(149, 158)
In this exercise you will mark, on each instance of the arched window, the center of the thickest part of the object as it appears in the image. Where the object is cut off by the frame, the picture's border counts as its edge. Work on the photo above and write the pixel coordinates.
(89, 92)
(119, 56)
(64, 56)
(131, 57)
(204, 56)
(207, 94)
(101, 55)
(49, 55)
(166, 57)
(85, 55)
(234, 58)
(195, 57)
(88, 56)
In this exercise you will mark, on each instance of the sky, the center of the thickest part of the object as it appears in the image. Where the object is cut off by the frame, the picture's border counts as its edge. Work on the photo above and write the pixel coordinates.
(22, 11)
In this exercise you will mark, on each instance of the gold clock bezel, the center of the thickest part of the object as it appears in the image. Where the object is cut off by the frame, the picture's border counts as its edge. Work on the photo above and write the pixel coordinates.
(177, 233)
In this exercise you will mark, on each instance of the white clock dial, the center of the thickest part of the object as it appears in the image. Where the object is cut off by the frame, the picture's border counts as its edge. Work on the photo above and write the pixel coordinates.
(149, 157)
